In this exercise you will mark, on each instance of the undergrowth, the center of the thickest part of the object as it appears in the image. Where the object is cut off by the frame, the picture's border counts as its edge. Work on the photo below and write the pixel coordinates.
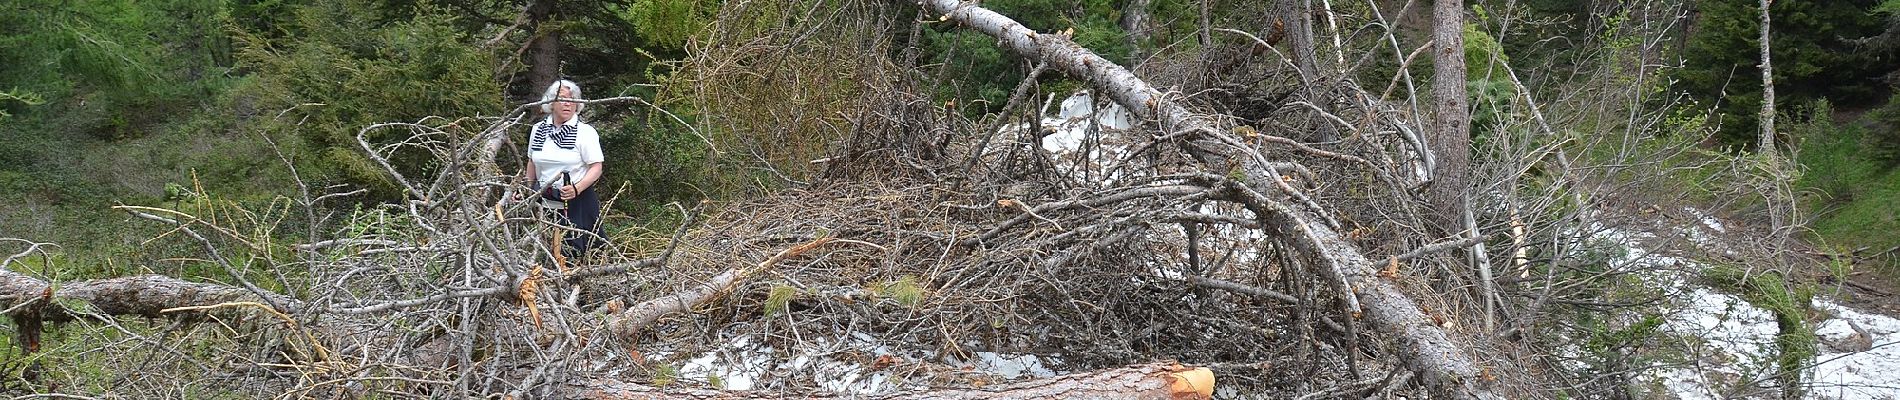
(1852, 193)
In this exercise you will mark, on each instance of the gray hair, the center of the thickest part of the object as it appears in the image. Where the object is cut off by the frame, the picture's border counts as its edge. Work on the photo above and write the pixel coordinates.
(573, 91)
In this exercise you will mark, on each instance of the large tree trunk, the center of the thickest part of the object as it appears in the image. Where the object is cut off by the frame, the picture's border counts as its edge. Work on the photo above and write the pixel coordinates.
(1135, 22)
(1152, 381)
(30, 302)
(544, 49)
(1451, 127)
(1294, 25)
(1444, 365)
(143, 295)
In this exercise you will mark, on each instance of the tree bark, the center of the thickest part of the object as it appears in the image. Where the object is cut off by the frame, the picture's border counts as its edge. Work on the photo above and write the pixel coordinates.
(544, 50)
(1151, 381)
(1135, 23)
(1443, 364)
(1767, 145)
(1451, 128)
(628, 323)
(30, 302)
(144, 295)
(1294, 25)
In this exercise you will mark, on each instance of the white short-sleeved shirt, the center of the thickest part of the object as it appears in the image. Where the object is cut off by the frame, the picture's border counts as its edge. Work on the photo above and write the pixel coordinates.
(568, 147)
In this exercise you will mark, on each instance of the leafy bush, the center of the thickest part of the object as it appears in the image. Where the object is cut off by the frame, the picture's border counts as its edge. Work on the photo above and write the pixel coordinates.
(1835, 156)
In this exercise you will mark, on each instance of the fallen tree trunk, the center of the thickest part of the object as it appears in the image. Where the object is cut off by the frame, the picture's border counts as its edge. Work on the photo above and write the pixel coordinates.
(30, 302)
(152, 295)
(1151, 381)
(1445, 366)
(629, 322)
(144, 295)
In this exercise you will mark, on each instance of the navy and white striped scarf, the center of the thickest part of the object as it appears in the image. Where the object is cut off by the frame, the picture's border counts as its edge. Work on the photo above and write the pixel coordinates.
(563, 136)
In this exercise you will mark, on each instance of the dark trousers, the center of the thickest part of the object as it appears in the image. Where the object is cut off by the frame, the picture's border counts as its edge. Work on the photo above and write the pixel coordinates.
(583, 213)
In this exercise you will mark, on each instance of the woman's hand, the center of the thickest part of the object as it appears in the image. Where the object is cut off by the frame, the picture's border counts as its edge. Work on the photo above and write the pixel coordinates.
(569, 192)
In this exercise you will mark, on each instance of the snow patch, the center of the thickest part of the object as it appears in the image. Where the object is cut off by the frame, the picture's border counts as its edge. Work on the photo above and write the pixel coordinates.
(737, 366)
(1075, 121)
(1707, 220)
(1845, 372)
(1012, 366)
(1737, 341)
(1727, 340)
(743, 363)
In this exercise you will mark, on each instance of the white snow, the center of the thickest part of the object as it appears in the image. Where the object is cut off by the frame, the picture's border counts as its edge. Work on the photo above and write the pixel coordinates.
(1737, 341)
(742, 364)
(1074, 122)
(1729, 342)
(1707, 220)
(1012, 366)
(1849, 375)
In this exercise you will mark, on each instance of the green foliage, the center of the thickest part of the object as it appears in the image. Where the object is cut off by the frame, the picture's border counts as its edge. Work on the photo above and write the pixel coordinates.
(665, 162)
(1834, 155)
(670, 23)
(1852, 188)
(1480, 48)
(151, 102)
(1677, 162)
(17, 97)
(1609, 340)
(339, 70)
(984, 74)
(780, 296)
(1882, 139)
(904, 290)
(1604, 338)
(665, 375)
(1492, 106)
(1813, 53)
(99, 59)
(71, 357)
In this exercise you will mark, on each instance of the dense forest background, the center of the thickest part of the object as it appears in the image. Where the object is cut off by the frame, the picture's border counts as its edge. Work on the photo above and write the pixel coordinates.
(144, 102)
(230, 108)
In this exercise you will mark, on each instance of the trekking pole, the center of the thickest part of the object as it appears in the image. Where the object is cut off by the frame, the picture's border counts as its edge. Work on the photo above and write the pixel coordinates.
(560, 232)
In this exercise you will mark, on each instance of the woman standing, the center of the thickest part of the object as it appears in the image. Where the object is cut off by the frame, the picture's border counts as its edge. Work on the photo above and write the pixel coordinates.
(564, 163)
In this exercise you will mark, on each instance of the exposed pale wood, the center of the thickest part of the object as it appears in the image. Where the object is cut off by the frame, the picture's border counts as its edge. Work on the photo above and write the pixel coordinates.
(629, 322)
